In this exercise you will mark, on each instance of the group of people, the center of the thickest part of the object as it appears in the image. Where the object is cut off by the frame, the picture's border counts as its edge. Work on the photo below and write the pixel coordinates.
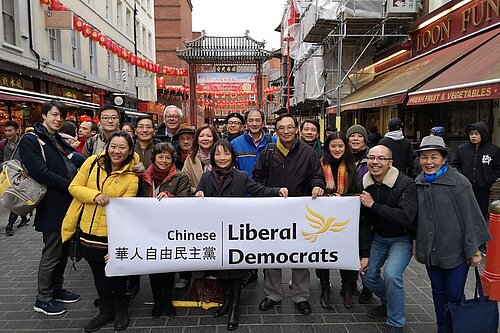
(179, 161)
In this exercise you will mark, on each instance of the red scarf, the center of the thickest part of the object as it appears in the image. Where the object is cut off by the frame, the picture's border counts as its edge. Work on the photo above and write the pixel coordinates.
(158, 176)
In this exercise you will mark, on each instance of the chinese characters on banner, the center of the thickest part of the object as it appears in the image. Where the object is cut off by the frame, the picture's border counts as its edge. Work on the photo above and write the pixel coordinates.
(193, 234)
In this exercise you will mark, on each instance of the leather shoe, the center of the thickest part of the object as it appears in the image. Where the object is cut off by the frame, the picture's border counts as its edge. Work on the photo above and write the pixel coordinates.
(304, 307)
(267, 304)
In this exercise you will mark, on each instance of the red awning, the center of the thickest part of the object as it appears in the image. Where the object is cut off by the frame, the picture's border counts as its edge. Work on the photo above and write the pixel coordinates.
(11, 94)
(392, 87)
(475, 77)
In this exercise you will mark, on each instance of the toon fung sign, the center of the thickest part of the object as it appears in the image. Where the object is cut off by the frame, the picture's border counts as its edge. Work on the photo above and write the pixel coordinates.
(194, 234)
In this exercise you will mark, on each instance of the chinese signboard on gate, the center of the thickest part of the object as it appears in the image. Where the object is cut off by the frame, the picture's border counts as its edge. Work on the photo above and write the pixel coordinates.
(455, 24)
(226, 81)
(192, 234)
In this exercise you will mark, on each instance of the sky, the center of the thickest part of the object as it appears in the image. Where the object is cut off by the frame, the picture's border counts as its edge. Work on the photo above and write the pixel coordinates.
(233, 17)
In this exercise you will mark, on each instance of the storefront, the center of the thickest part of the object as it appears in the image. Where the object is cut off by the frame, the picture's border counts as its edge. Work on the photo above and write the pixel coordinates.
(452, 79)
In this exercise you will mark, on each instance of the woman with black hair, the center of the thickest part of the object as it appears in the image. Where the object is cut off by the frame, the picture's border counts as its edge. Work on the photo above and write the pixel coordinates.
(107, 175)
(226, 181)
(163, 180)
(341, 179)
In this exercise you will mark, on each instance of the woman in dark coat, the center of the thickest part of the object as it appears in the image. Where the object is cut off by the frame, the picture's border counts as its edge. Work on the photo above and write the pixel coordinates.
(163, 180)
(225, 181)
(451, 226)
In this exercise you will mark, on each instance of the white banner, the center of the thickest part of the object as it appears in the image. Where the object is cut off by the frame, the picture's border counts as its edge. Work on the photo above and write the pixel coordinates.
(194, 234)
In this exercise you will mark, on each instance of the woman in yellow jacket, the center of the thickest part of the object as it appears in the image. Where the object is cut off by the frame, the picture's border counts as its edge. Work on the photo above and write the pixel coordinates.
(108, 175)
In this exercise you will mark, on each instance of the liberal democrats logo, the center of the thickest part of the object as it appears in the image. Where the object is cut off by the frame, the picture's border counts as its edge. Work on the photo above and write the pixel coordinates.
(318, 222)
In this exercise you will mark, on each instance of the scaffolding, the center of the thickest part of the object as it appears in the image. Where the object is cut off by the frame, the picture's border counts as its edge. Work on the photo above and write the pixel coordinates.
(339, 37)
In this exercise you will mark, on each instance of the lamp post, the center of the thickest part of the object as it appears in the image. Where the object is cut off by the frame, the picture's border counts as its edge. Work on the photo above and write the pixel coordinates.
(288, 39)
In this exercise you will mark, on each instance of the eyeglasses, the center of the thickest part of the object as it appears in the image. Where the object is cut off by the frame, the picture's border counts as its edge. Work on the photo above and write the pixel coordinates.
(282, 129)
(144, 127)
(378, 158)
(236, 123)
(171, 116)
(112, 118)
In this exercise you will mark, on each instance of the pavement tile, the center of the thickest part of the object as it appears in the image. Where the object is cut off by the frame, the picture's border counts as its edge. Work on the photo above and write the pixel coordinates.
(329, 328)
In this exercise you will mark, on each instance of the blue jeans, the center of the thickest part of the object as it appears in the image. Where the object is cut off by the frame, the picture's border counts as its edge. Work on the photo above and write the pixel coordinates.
(395, 254)
(447, 286)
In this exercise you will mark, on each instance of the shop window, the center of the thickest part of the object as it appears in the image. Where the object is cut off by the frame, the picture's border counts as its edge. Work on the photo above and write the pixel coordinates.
(119, 14)
(75, 50)
(459, 116)
(54, 44)
(128, 21)
(111, 66)
(108, 9)
(92, 58)
(9, 24)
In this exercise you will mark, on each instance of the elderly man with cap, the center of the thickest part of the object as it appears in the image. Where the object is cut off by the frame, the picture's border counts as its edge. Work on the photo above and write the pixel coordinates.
(400, 147)
(235, 123)
(184, 138)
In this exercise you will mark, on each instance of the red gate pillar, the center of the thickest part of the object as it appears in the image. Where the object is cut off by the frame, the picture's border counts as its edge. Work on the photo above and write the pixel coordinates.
(192, 94)
(490, 278)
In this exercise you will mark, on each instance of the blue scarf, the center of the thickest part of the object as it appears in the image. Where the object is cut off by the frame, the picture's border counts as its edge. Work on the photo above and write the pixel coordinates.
(434, 176)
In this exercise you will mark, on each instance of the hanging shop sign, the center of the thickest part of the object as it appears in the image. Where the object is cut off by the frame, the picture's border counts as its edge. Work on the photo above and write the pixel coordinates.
(59, 20)
(456, 95)
(402, 6)
(69, 94)
(192, 234)
(454, 23)
(11, 81)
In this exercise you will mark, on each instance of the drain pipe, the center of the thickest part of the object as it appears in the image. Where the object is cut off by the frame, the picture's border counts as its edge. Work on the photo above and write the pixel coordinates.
(30, 27)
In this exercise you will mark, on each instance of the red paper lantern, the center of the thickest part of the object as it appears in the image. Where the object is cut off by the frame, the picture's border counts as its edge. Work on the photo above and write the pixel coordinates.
(138, 62)
(126, 56)
(94, 35)
(109, 44)
(45, 2)
(55, 5)
(114, 48)
(160, 82)
(133, 59)
(64, 8)
(102, 40)
(78, 23)
(87, 30)
(124, 53)
(164, 70)
(119, 51)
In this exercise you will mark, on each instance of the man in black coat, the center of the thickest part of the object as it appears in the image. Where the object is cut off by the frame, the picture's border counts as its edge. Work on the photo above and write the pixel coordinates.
(172, 119)
(54, 169)
(389, 208)
(479, 161)
(294, 165)
(402, 152)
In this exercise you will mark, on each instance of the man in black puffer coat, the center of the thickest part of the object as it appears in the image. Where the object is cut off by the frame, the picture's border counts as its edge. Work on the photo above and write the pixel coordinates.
(479, 161)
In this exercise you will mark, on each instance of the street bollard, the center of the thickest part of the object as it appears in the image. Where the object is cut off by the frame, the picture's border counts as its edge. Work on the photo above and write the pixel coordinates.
(490, 278)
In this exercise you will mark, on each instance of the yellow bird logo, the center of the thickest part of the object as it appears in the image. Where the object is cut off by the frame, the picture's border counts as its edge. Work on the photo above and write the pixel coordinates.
(317, 221)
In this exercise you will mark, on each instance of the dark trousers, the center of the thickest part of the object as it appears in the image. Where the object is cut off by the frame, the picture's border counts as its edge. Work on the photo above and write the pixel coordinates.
(447, 286)
(12, 219)
(162, 287)
(52, 265)
(111, 290)
(348, 278)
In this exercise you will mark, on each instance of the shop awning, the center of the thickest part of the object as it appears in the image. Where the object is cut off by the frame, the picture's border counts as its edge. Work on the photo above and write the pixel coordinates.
(474, 77)
(392, 87)
(19, 95)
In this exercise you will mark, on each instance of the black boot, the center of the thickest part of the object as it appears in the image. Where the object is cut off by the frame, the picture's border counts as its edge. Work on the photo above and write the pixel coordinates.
(120, 308)
(324, 278)
(104, 316)
(168, 290)
(234, 315)
(224, 308)
(346, 293)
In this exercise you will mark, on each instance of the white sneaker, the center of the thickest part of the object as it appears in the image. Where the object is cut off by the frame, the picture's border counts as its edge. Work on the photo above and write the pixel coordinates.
(290, 283)
(181, 284)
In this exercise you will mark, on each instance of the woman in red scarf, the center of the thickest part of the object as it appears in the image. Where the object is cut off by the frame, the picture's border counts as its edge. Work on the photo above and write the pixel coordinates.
(341, 179)
(162, 180)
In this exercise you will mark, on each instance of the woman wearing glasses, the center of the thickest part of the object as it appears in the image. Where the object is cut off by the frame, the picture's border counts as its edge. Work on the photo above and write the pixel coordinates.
(341, 179)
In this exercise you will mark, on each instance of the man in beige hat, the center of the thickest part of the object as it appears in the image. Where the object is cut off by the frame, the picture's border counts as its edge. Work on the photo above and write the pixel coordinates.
(184, 138)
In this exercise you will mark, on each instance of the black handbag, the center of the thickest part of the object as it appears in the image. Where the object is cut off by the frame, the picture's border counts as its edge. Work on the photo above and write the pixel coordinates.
(477, 315)
(75, 246)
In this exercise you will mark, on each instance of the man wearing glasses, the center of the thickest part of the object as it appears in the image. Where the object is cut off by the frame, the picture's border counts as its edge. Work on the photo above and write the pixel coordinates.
(389, 208)
(172, 118)
(235, 123)
(109, 117)
(293, 164)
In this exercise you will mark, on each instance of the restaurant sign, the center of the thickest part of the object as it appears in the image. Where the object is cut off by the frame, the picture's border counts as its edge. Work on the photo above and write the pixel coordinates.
(457, 23)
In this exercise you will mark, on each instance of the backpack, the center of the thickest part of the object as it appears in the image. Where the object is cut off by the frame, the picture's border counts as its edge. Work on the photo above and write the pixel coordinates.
(19, 192)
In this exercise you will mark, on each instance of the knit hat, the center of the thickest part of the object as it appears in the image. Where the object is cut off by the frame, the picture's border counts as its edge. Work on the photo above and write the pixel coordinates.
(357, 129)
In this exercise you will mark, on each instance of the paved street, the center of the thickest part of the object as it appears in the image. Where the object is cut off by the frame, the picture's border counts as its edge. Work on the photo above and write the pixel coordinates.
(19, 257)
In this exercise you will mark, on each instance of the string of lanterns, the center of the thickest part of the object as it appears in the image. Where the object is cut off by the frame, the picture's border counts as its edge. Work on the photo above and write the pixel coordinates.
(88, 31)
